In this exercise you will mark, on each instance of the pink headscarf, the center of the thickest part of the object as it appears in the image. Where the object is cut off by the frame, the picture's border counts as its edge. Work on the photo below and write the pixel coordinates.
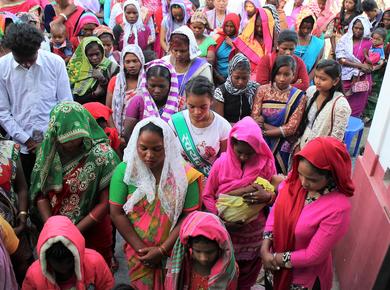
(262, 164)
(324, 17)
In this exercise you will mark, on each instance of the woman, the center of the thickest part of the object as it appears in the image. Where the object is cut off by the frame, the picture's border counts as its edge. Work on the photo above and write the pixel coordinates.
(84, 28)
(310, 216)
(247, 158)
(350, 54)
(202, 236)
(217, 15)
(310, 48)
(125, 85)
(71, 175)
(158, 96)
(225, 47)
(249, 10)
(286, 44)
(185, 58)
(205, 43)
(234, 98)
(150, 193)
(90, 71)
(278, 108)
(256, 39)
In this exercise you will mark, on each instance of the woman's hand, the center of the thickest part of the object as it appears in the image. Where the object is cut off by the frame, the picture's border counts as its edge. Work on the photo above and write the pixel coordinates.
(98, 75)
(269, 261)
(150, 256)
(366, 68)
(257, 197)
(229, 41)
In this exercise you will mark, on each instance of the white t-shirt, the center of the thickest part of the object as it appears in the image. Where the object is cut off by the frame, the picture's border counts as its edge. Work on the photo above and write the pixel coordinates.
(207, 140)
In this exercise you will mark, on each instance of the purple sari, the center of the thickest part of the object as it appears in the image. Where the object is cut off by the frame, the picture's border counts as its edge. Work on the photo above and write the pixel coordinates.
(183, 79)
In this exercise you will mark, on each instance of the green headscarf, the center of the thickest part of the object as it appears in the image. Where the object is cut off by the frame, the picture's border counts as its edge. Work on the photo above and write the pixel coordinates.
(70, 121)
(80, 69)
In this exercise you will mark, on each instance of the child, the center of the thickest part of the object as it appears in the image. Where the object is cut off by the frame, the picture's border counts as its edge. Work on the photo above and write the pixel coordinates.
(278, 109)
(233, 99)
(105, 34)
(375, 56)
(59, 43)
(64, 262)
(203, 256)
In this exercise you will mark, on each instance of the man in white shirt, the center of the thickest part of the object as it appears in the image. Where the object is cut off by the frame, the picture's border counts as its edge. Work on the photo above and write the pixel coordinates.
(32, 82)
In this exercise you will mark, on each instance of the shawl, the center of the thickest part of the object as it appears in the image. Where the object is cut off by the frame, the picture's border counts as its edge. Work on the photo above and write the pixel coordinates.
(89, 5)
(193, 45)
(4, 17)
(7, 275)
(262, 164)
(223, 273)
(80, 69)
(119, 101)
(220, 35)
(326, 153)
(344, 48)
(70, 121)
(173, 185)
(324, 17)
(86, 18)
(132, 29)
(249, 91)
(244, 14)
(172, 105)
(102, 29)
(275, 15)
(246, 42)
(170, 20)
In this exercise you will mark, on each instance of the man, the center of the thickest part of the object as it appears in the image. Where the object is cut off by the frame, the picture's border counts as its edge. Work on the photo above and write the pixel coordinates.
(373, 12)
(32, 82)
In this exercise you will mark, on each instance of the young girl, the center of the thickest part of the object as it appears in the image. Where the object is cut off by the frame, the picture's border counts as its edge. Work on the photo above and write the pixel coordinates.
(85, 26)
(105, 34)
(278, 108)
(203, 255)
(132, 30)
(327, 111)
(202, 133)
(234, 98)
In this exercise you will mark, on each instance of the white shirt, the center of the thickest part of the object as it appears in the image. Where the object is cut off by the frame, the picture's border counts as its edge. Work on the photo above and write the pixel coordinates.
(28, 95)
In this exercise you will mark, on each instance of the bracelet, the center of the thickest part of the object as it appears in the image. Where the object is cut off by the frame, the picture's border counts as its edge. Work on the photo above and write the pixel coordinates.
(93, 217)
(63, 15)
(273, 197)
(163, 251)
(268, 236)
(286, 258)
(22, 212)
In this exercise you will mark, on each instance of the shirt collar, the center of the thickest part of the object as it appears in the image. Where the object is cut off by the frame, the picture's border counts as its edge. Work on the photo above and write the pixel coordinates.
(39, 62)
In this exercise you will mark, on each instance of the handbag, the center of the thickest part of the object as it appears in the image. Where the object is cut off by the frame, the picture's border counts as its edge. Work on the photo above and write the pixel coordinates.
(360, 86)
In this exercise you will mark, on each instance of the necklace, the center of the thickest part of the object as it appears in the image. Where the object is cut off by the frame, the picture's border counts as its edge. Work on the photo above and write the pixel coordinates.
(311, 198)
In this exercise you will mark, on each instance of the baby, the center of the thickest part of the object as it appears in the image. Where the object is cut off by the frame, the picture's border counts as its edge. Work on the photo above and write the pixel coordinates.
(60, 44)
(375, 56)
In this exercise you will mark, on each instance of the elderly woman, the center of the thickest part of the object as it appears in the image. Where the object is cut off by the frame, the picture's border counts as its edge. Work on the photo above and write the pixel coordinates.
(150, 193)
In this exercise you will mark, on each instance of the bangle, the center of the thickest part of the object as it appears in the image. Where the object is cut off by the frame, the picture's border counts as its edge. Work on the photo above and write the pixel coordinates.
(93, 217)
(63, 15)
(286, 258)
(163, 251)
(268, 236)
(22, 212)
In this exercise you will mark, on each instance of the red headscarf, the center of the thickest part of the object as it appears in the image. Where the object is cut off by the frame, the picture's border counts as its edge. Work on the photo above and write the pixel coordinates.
(235, 19)
(326, 153)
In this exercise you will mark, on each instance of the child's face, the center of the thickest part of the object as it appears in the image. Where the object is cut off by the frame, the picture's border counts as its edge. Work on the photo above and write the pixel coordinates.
(284, 77)
(107, 43)
(243, 151)
(324, 82)
(177, 13)
(210, 4)
(371, 14)
(199, 107)
(88, 29)
(204, 253)
(286, 48)
(58, 37)
(198, 29)
(64, 269)
(229, 29)
(349, 5)
(240, 78)
(386, 20)
(131, 14)
(250, 9)
(377, 40)
(321, 4)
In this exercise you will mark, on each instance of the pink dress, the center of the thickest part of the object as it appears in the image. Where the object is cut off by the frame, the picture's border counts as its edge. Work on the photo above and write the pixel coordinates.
(320, 226)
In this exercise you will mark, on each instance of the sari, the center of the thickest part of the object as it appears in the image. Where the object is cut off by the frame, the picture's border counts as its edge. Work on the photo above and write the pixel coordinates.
(247, 44)
(80, 69)
(170, 22)
(121, 97)
(308, 53)
(85, 18)
(346, 49)
(324, 17)
(226, 175)
(223, 274)
(73, 188)
(153, 209)
(21, 6)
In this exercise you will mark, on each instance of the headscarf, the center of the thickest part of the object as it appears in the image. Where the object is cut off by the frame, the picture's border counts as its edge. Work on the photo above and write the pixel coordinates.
(170, 20)
(250, 90)
(172, 105)
(262, 164)
(102, 29)
(172, 188)
(86, 18)
(200, 17)
(193, 45)
(244, 14)
(132, 29)
(119, 101)
(344, 48)
(89, 5)
(224, 271)
(323, 17)
(4, 16)
(68, 121)
(275, 15)
(325, 153)
(221, 36)
(80, 69)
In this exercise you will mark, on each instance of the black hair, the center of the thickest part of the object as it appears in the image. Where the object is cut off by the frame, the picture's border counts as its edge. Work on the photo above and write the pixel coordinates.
(23, 39)
(381, 32)
(281, 61)
(179, 37)
(200, 239)
(287, 35)
(158, 71)
(195, 3)
(200, 85)
(243, 65)
(358, 10)
(319, 171)
(308, 19)
(58, 251)
(369, 5)
(123, 287)
(152, 128)
(149, 55)
(92, 44)
(333, 69)
(105, 34)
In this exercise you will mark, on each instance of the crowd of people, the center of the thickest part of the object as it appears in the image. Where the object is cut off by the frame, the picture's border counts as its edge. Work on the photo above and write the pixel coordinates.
(208, 134)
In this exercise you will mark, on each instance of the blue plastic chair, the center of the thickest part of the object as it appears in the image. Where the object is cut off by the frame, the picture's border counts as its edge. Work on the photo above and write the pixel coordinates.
(355, 126)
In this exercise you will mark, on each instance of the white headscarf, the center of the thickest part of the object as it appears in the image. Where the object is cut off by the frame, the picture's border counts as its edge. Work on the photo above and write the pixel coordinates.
(119, 103)
(194, 49)
(173, 185)
(132, 29)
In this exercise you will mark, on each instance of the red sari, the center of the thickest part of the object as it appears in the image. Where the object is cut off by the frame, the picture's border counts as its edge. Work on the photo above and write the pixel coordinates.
(20, 6)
